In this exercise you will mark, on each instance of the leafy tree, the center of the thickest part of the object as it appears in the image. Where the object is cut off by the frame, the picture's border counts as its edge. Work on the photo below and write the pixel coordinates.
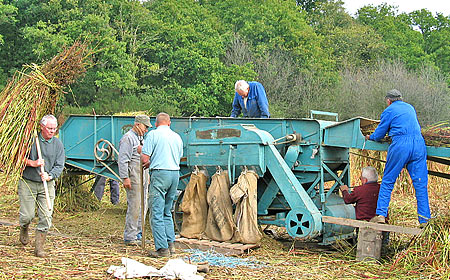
(272, 25)
(7, 22)
(310, 5)
(436, 34)
(117, 30)
(350, 42)
(190, 42)
(401, 40)
(275, 38)
(7, 17)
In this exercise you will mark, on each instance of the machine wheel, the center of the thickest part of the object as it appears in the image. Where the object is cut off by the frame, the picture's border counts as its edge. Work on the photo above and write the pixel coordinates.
(102, 150)
(299, 223)
(177, 214)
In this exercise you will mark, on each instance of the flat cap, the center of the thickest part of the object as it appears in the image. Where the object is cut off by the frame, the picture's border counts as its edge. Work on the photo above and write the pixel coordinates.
(143, 119)
(393, 93)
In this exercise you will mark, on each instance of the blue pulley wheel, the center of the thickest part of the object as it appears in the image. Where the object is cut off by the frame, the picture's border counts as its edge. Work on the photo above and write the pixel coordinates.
(299, 223)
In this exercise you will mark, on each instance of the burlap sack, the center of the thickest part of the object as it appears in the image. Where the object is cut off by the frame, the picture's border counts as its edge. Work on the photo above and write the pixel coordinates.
(220, 225)
(244, 194)
(194, 207)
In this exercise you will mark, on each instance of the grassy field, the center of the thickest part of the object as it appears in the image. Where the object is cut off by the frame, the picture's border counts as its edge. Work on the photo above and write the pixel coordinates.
(83, 244)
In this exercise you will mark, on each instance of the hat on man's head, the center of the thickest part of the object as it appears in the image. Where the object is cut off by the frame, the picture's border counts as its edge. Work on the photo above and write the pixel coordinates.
(143, 119)
(393, 93)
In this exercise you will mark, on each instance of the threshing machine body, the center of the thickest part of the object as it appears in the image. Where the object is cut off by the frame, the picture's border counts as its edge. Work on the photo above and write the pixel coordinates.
(301, 162)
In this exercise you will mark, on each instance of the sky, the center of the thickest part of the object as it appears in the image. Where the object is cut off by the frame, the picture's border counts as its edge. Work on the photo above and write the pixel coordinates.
(407, 6)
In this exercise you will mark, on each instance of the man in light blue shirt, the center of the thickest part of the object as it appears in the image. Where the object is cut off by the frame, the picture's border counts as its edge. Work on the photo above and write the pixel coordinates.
(162, 151)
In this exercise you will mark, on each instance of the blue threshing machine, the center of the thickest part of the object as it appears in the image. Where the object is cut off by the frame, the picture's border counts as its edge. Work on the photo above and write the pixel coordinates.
(301, 162)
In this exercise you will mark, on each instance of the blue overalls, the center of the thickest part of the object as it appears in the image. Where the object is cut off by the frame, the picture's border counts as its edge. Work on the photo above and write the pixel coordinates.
(407, 148)
(257, 104)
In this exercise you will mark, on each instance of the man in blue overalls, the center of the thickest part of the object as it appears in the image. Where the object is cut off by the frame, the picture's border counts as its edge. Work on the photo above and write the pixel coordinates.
(408, 148)
(251, 99)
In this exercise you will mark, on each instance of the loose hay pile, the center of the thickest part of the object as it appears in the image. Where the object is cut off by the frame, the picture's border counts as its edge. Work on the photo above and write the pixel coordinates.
(30, 95)
(73, 194)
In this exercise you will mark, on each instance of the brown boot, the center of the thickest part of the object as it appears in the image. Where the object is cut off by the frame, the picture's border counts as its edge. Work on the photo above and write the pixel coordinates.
(160, 253)
(203, 268)
(39, 246)
(24, 238)
(378, 219)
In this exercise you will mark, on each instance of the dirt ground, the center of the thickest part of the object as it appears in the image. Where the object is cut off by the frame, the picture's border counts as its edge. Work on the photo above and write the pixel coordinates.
(83, 245)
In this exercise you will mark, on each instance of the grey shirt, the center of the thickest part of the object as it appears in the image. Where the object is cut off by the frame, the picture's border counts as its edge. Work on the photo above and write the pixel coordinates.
(53, 154)
(128, 152)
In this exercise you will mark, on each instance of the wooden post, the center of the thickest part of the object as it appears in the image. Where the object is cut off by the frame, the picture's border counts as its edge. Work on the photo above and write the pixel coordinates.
(141, 175)
(369, 244)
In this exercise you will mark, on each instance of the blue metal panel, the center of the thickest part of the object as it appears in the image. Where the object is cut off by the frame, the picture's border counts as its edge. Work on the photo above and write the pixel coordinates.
(336, 207)
(291, 190)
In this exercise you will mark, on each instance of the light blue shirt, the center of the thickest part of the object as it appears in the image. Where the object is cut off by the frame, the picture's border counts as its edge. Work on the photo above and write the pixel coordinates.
(165, 148)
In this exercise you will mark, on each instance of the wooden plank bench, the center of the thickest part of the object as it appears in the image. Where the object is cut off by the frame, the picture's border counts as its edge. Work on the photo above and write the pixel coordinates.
(226, 248)
(370, 235)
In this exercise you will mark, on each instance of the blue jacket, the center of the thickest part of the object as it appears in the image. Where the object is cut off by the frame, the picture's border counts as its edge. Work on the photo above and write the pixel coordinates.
(399, 119)
(257, 104)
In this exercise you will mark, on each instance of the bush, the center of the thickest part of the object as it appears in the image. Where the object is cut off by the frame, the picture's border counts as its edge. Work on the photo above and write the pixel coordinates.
(361, 91)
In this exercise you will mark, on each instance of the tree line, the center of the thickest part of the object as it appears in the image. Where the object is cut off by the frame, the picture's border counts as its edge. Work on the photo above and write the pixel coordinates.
(184, 56)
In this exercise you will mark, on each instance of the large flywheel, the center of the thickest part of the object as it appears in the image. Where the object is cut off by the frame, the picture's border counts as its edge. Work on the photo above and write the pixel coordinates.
(300, 223)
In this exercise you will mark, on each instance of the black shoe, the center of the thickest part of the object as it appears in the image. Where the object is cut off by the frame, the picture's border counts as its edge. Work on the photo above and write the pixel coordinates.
(160, 253)
(423, 225)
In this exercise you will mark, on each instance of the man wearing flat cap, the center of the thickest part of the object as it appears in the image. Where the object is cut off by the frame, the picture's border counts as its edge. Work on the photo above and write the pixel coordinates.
(130, 147)
(408, 149)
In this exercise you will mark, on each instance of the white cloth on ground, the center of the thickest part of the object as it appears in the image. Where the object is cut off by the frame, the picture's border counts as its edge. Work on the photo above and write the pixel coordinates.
(174, 269)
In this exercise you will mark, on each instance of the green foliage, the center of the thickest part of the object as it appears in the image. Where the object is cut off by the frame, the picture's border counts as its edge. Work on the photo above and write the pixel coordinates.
(190, 42)
(183, 57)
(273, 25)
(110, 104)
(351, 43)
(401, 40)
(310, 5)
(361, 92)
(436, 35)
(7, 23)
(7, 17)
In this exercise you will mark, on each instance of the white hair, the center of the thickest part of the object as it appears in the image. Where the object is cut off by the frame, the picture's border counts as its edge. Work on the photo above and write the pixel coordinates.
(46, 118)
(241, 85)
(370, 173)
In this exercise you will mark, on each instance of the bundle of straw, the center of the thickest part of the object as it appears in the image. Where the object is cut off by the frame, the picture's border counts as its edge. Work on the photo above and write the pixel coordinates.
(28, 96)
(437, 135)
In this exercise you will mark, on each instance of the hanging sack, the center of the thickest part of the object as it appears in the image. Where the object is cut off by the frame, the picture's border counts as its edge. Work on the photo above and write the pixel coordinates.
(194, 207)
(244, 195)
(220, 225)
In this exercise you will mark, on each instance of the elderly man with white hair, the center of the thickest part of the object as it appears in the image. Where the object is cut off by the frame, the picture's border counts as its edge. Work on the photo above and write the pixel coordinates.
(365, 196)
(31, 187)
(250, 99)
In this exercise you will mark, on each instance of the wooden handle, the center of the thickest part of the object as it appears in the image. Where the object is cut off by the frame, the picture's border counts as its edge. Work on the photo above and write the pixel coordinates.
(141, 175)
(47, 196)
